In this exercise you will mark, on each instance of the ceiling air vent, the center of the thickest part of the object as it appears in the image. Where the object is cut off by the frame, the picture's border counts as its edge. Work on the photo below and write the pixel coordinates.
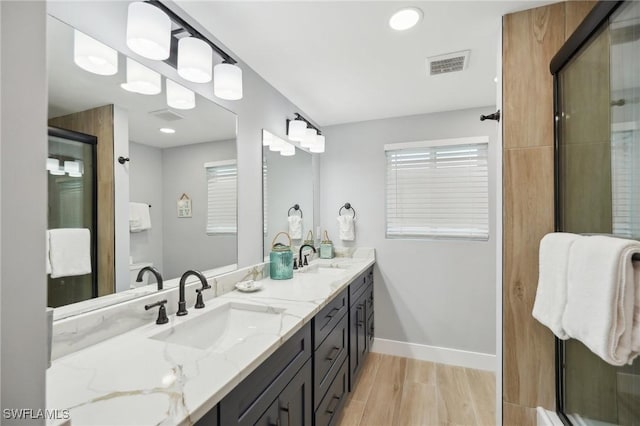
(166, 115)
(450, 62)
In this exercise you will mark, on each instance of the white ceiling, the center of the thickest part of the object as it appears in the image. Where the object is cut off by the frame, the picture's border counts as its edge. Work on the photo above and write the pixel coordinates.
(72, 89)
(340, 62)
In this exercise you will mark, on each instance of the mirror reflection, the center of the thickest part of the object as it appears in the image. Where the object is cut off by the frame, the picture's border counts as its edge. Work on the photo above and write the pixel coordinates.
(135, 180)
(287, 183)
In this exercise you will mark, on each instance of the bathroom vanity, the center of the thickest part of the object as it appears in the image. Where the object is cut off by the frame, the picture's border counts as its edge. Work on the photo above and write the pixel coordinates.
(287, 354)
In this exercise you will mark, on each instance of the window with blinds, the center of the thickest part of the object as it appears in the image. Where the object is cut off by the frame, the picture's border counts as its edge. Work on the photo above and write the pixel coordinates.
(438, 189)
(222, 178)
(624, 181)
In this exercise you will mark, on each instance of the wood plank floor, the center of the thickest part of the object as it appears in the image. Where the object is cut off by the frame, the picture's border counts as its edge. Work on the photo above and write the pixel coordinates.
(406, 392)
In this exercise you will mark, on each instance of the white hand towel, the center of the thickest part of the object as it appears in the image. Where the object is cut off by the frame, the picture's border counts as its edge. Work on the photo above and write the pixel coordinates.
(48, 259)
(70, 252)
(347, 228)
(139, 217)
(635, 334)
(601, 296)
(551, 295)
(295, 227)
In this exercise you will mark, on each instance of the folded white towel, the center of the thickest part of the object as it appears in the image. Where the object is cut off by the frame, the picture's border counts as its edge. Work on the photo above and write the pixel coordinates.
(551, 295)
(47, 260)
(635, 334)
(601, 296)
(347, 228)
(139, 217)
(295, 227)
(70, 252)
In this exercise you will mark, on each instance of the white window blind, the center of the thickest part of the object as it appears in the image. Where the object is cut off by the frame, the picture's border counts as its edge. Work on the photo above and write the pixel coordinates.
(624, 181)
(222, 177)
(438, 189)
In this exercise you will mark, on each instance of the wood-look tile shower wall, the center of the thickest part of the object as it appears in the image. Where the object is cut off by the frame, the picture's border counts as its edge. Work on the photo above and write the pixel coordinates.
(530, 39)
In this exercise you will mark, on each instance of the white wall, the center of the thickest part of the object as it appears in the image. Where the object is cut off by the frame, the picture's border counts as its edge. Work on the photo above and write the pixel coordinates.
(145, 186)
(186, 243)
(436, 293)
(23, 146)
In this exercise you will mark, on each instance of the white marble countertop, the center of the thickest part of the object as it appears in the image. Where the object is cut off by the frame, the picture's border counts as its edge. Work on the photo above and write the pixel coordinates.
(132, 379)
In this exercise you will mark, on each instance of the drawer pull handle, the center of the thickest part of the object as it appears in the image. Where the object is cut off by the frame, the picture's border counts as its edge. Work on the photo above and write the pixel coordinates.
(332, 313)
(335, 401)
(334, 352)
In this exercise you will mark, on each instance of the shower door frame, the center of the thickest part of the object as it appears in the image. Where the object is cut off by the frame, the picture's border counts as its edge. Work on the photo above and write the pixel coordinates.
(592, 23)
(89, 140)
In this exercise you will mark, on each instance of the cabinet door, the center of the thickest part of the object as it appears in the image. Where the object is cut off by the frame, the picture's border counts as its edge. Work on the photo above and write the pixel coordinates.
(357, 339)
(294, 402)
(270, 417)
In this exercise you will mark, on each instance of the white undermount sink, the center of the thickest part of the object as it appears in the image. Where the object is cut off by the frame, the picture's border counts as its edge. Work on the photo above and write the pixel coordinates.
(224, 326)
(324, 269)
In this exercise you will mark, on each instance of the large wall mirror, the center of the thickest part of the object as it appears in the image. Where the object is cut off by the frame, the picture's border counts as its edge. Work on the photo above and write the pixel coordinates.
(287, 184)
(133, 182)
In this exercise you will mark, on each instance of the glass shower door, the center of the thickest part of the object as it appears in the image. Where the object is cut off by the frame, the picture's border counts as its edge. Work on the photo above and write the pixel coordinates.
(72, 204)
(599, 192)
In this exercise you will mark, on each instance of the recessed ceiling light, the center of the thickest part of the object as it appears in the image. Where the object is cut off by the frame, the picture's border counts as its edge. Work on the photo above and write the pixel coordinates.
(167, 130)
(405, 18)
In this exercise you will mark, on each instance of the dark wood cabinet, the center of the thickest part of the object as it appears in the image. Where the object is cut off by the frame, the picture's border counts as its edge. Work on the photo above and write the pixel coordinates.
(361, 325)
(255, 395)
(305, 382)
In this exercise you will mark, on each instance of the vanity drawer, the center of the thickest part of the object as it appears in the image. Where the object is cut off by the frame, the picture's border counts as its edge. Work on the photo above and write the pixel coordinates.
(359, 284)
(245, 404)
(328, 317)
(329, 409)
(329, 356)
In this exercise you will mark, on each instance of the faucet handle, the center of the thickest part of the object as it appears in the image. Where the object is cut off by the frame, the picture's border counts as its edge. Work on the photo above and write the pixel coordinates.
(306, 262)
(162, 312)
(199, 301)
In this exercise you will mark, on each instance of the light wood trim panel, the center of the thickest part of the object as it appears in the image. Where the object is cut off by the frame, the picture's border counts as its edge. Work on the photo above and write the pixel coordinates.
(530, 39)
(575, 12)
(516, 415)
(528, 348)
(99, 122)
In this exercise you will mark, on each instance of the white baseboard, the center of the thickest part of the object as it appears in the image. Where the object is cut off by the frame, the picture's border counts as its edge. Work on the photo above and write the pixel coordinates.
(476, 360)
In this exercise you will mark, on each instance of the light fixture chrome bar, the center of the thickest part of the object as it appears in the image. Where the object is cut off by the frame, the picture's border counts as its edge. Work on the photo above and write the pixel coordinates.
(194, 33)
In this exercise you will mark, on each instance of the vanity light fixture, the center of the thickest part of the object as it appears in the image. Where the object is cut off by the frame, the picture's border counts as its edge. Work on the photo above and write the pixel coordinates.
(53, 166)
(179, 97)
(148, 31)
(167, 130)
(318, 147)
(297, 129)
(93, 56)
(301, 130)
(287, 150)
(227, 81)
(276, 145)
(74, 168)
(195, 59)
(405, 18)
(227, 76)
(309, 138)
(141, 79)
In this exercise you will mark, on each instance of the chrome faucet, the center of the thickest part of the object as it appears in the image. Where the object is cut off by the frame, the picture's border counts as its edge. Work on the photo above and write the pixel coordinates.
(300, 264)
(154, 271)
(182, 304)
